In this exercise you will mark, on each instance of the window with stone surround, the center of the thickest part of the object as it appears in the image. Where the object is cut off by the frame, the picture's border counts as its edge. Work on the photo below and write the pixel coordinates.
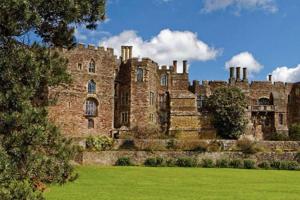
(164, 80)
(90, 123)
(79, 66)
(91, 87)
(152, 118)
(264, 101)
(124, 117)
(91, 107)
(124, 98)
(92, 66)
(140, 74)
(152, 100)
(280, 118)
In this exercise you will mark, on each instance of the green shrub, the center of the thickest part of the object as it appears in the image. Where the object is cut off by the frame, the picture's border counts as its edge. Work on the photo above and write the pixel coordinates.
(275, 164)
(236, 163)
(128, 145)
(186, 162)
(264, 165)
(154, 162)
(279, 137)
(123, 161)
(248, 146)
(297, 157)
(207, 163)
(200, 148)
(294, 132)
(171, 144)
(99, 143)
(171, 163)
(249, 164)
(222, 163)
(289, 165)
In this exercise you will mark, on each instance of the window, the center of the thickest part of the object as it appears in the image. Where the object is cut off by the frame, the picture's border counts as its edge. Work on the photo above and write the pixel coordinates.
(264, 101)
(91, 87)
(140, 75)
(90, 123)
(152, 119)
(124, 98)
(92, 67)
(91, 107)
(289, 99)
(124, 117)
(297, 92)
(79, 66)
(281, 119)
(164, 80)
(200, 101)
(151, 98)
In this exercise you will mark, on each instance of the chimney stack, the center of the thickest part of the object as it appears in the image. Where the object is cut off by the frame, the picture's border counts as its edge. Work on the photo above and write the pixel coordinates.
(245, 76)
(123, 53)
(231, 75)
(175, 65)
(184, 66)
(238, 73)
(130, 52)
(270, 77)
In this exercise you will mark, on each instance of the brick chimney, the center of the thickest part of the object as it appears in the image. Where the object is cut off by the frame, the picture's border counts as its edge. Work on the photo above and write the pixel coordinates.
(231, 75)
(270, 77)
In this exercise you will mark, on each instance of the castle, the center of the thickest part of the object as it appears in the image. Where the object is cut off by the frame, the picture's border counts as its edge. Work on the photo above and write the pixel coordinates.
(112, 96)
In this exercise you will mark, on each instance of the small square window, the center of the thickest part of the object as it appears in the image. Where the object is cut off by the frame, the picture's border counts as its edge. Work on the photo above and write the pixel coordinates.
(79, 66)
(90, 123)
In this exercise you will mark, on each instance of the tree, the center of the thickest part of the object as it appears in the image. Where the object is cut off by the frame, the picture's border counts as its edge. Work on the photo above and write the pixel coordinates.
(32, 150)
(228, 106)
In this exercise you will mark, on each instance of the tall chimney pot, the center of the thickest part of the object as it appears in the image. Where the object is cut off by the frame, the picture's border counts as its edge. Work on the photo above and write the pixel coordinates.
(238, 73)
(184, 66)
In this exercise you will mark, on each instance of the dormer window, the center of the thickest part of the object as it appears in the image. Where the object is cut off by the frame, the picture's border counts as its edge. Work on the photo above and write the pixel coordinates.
(91, 87)
(92, 66)
(140, 74)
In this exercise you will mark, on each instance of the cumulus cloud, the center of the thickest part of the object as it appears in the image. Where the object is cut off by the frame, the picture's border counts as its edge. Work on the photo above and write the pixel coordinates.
(166, 46)
(238, 5)
(245, 59)
(286, 74)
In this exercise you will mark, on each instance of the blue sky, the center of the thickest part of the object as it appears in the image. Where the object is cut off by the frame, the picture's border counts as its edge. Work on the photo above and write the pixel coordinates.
(263, 35)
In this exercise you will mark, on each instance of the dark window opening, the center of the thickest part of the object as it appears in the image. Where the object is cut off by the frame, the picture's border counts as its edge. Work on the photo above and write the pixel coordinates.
(91, 87)
(140, 75)
(91, 107)
(90, 123)
(92, 67)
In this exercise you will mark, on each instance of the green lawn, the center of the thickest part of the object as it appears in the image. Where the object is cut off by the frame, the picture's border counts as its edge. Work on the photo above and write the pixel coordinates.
(142, 183)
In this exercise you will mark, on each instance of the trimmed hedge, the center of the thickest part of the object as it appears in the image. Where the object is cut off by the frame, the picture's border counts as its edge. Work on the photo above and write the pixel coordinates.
(123, 161)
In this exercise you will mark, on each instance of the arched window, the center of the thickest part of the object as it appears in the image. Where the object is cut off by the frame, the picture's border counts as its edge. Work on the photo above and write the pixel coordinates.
(92, 66)
(264, 101)
(164, 80)
(140, 75)
(91, 87)
(91, 107)
(90, 123)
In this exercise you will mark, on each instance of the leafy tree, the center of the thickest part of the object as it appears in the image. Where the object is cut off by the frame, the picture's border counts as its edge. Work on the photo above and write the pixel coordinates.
(32, 150)
(228, 106)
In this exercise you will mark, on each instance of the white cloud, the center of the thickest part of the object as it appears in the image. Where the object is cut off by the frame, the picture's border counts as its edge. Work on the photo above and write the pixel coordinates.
(238, 5)
(286, 74)
(163, 48)
(245, 59)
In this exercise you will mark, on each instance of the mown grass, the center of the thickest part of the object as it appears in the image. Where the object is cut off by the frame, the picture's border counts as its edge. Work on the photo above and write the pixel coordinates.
(144, 183)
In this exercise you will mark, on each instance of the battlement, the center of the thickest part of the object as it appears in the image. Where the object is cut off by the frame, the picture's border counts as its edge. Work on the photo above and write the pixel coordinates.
(108, 50)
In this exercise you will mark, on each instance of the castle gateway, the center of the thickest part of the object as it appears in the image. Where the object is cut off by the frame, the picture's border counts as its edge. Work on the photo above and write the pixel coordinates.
(117, 96)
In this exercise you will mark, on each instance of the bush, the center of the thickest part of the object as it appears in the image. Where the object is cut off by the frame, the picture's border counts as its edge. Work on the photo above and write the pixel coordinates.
(294, 132)
(247, 146)
(171, 163)
(289, 165)
(215, 146)
(99, 143)
(128, 144)
(154, 162)
(186, 162)
(249, 164)
(222, 163)
(275, 164)
(207, 163)
(236, 163)
(123, 161)
(279, 137)
(264, 165)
